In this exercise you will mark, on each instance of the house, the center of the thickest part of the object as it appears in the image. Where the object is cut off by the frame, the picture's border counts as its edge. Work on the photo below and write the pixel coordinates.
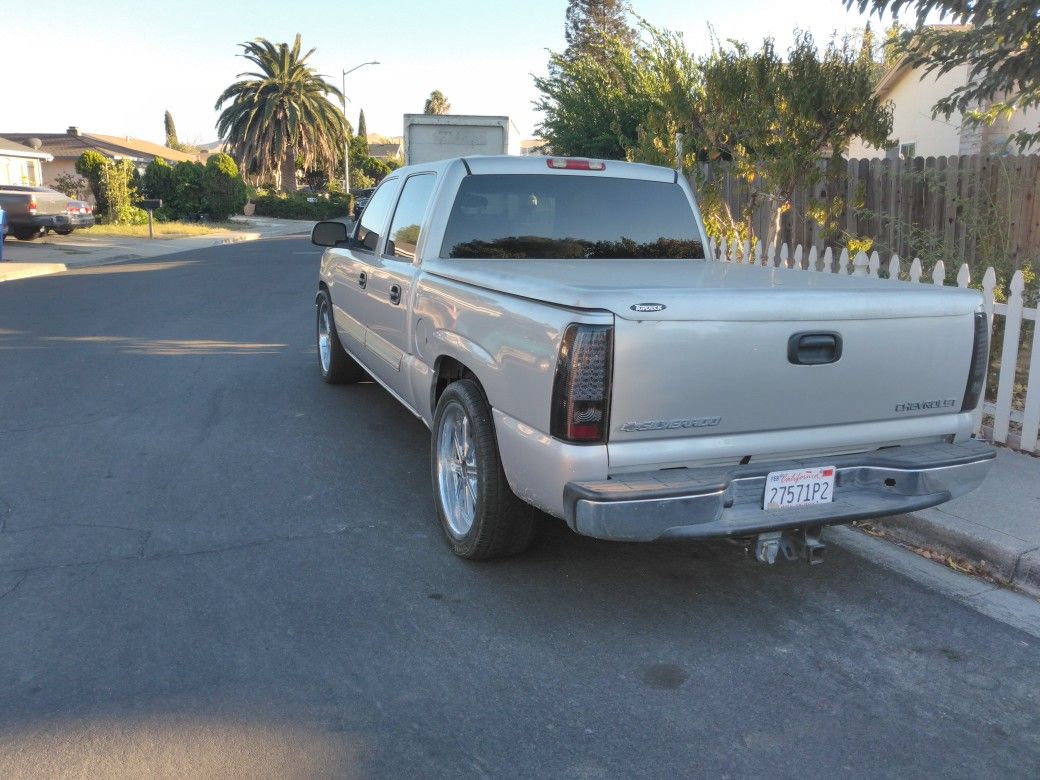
(912, 93)
(21, 164)
(391, 149)
(61, 150)
(534, 147)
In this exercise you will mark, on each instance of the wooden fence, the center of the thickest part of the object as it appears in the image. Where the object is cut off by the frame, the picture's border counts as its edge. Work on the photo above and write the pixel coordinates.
(976, 209)
(1010, 414)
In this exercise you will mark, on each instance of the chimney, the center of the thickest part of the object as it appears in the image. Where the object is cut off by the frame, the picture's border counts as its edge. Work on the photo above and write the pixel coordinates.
(73, 130)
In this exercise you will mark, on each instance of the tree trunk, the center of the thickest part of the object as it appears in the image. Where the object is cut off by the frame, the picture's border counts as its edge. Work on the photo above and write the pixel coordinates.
(288, 172)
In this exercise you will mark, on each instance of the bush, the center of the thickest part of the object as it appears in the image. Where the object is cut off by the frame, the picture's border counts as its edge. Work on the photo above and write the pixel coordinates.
(119, 193)
(297, 207)
(69, 184)
(158, 181)
(223, 191)
(187, 199)
(90, 166)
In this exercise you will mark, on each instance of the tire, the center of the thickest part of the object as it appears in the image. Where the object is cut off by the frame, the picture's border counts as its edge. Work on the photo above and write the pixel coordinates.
(26, 235)
(63, 231)
(336, 366)
(479, 514)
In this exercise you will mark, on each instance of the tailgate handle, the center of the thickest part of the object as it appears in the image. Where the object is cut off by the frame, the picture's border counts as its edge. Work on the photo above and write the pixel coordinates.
(813, 349)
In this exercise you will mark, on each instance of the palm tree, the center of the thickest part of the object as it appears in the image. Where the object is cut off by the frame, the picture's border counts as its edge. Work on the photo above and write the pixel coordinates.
(281, 114)
(436, 103)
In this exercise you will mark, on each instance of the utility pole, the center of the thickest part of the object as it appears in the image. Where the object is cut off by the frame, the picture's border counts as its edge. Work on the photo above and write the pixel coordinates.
(346, 138)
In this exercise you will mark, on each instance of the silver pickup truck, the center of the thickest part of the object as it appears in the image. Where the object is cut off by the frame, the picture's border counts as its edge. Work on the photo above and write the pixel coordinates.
(556, 325)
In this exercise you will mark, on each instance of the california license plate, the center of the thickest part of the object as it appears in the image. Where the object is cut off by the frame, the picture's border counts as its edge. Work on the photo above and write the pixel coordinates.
(799, 487)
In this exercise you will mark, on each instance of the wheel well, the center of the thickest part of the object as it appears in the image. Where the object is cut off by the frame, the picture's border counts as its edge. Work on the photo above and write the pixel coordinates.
(322, 287)
(448, 370)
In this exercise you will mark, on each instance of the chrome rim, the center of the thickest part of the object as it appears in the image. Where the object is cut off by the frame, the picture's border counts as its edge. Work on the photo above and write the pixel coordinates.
(457, 470)
(324, 336)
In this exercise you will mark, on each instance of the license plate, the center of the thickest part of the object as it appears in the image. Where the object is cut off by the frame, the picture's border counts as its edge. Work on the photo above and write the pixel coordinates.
(799, 487)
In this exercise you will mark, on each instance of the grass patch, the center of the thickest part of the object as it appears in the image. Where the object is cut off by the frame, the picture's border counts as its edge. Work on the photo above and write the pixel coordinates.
(162, 229)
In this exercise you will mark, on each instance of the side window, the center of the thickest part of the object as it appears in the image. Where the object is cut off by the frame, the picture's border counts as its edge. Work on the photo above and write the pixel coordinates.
(374, 216)
(407, 223)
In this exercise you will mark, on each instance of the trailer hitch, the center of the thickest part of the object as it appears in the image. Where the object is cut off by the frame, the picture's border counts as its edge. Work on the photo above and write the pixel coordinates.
(798, 544)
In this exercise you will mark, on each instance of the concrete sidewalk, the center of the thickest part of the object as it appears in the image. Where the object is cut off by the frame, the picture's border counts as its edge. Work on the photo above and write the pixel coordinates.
(995, 529)
(55, 254)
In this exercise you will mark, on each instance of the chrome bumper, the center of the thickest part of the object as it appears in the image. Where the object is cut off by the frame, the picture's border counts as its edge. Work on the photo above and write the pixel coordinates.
(720, 501)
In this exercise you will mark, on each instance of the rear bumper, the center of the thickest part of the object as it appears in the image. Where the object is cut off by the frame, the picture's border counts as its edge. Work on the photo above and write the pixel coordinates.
(721, 501)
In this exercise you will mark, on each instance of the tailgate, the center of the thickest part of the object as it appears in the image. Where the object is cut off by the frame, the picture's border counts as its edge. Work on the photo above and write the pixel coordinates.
(705, 377)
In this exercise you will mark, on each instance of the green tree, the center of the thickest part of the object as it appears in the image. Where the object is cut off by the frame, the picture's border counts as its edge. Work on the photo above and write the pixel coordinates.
(436, 103)
(362, 127)
(171, 131)
(158, 181)
(280, 114)
(90, 165)
(999, 42)
(187, 199)
(590, 23)
(223, 191)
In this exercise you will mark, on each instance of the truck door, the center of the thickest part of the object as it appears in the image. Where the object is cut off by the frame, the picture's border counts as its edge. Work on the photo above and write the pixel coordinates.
(393, 281)
(354, 268)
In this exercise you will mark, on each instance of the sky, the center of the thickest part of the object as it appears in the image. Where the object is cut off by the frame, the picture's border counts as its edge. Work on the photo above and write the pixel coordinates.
(118, 66)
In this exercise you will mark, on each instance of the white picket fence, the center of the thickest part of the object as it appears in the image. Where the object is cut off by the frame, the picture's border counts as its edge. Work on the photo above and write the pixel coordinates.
(1016, 425)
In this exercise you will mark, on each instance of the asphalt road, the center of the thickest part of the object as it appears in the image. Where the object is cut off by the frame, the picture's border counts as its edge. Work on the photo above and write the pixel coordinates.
(212, 564)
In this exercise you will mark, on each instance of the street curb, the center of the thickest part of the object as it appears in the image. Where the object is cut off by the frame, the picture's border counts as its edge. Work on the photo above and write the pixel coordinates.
(1009, 564)
(29, 270)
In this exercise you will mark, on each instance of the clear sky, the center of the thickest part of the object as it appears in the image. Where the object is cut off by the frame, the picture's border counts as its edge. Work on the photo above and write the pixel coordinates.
(114, 66)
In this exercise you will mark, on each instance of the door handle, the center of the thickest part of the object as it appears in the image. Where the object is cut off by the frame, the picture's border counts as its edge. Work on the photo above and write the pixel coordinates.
(395, 294)
(362, 280)
(814, 349)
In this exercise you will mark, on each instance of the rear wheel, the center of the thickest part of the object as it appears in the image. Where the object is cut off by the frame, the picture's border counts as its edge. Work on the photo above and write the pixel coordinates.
(337, 367)
(479, 514)
(63, 231)
(26, 235)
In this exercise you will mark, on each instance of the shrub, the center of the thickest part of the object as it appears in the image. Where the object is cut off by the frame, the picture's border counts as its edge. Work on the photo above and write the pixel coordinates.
(223, 191)
(116, 186)
(158, 180)
(90, 166)
(187, 198)
(69, 184)
(298, 207)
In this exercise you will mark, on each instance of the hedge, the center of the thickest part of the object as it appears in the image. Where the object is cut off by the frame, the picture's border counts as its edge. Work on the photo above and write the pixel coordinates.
(298, 207)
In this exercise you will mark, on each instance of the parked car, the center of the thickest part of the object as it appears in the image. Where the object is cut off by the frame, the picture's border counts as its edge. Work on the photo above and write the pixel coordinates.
(556, 325)
(32, 211)
(361, 200)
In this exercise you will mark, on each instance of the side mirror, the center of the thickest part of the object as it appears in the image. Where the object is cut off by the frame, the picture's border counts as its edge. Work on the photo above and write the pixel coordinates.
(329, 234)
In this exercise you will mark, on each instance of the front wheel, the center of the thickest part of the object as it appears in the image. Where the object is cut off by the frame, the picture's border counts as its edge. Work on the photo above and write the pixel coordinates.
(337, 367)
(63, 231)
(479, 514)
(26, 235)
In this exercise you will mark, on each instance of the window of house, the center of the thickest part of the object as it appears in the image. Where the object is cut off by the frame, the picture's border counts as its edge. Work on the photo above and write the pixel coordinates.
(908, 151)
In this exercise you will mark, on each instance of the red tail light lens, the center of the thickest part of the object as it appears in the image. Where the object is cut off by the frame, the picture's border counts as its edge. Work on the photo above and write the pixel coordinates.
(32, 205)
(979, 363)
(575, 165)
(581, 389)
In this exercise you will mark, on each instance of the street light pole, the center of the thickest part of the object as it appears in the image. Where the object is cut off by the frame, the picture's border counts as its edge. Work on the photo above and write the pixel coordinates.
(346, 138)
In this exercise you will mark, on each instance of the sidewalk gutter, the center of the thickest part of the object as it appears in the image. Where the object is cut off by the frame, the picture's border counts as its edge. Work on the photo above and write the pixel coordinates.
(994, 530)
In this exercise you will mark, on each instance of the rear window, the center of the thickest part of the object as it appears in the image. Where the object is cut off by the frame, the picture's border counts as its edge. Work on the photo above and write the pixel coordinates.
(514, 216)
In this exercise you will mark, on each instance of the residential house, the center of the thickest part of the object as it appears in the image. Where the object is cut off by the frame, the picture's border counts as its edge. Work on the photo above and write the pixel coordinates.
(63, 149)
(912, 93)
(534, 147)
(386, 148)
(21, 164)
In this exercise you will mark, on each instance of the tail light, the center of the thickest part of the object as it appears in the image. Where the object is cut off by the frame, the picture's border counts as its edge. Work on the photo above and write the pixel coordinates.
(571, 164)
(581, 390)
(979, 363)
(32, 206)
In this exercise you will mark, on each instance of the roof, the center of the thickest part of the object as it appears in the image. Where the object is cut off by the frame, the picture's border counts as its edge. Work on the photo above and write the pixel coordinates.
(66, 145)
(901, 66)
(15, 149)
(383, 150)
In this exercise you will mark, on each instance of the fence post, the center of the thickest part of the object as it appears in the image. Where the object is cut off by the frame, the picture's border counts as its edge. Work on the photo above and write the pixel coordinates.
(939, 274)
(783, 255)
(843, 262)
(1008, 359)
(874, 264)
(916, 270)
(812, 259)
(894, 267)
(859, 264)
(1031, 412)
(798, 257)
(828, 260)
(964, 275)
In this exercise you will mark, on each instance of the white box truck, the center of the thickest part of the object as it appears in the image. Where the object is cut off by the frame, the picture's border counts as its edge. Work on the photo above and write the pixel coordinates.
(430, 137)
